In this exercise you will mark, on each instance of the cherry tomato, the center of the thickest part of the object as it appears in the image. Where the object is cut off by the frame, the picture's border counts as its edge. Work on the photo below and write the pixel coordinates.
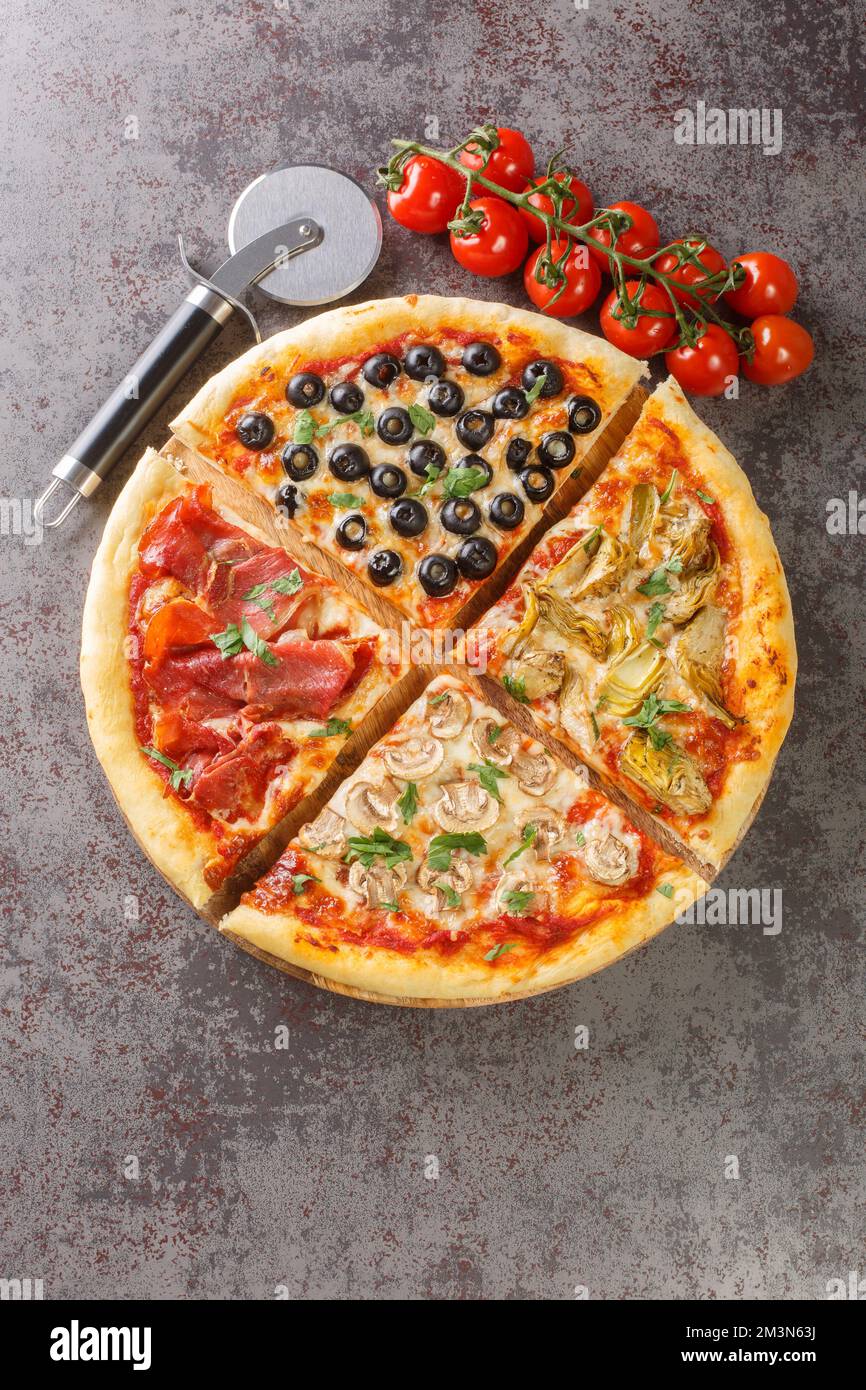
(511, 164)
(705, 370)
(500, 244)
(770, 286)
(649, 334)
(582, 281)
(428, 197)
(576, 210)
(783, 350)
(690, 274)
(640, 240)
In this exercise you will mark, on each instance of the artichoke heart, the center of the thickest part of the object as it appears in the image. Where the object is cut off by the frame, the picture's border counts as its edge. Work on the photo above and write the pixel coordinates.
(624, 632)
(684, 530)
(629, 683)
(642, 515)
(698, 657)
(605, 570)
(667, 773)
(517, 639)
(580, 627)
(542, 672)
(694, 590)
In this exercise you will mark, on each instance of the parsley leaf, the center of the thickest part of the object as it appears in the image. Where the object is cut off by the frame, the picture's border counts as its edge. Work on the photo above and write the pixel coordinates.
(459, 482)
(256, 595)
(299, 881)
(408, 802)
(518, 900)
(651, 710)
(389, 907)
(527, 839)
(432, 471)
(595, 729)
(500, 950)
(437, 699)
(305, 428)
(657, 584)
(345, 500)
(441, 848)
(494, 732)
(516, 687)
(452, 897)
(379, 845)
(179, 775)
(705, 497)
(593, 536)
(536, 388)
(254, 643)
(332, 728)
(581, 839)
(287, 583)
(362, 418)
(422, 418)
(229, 641)
(655, 616)
(488, 773)
(668, 492)
(666, 890)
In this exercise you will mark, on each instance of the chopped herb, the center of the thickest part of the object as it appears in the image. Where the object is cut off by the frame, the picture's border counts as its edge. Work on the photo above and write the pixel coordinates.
(346, 500)
(332, 728)
(595, 729)
(452, 897)
(432, 471)
(536, 388)
(288, 583)
(231, 641)
(380, 845)
(442, 846)
(437, 699)
(516, 687)
(518, 900)
(179, 775)
(305, 428)
(423, 419)
(256, 595)
(488, 772)
(591, 537)
(299, 881)
(459, 482)
(668, 492)
(651, 710)
(657, 584)
(362, 418)
(390, 907)
(581, 839)
(408, 802)
(705, 497)
(655, 616)
(526, 840)
(666, 890)
(494, 732)
(500, 950)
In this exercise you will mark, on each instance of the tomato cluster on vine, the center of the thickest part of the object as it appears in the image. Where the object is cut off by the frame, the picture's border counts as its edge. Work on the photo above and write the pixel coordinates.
(500, 214)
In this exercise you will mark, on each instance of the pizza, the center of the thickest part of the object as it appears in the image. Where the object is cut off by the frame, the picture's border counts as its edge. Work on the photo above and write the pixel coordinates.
(461, 860)
(651, 631)
(415, 440)
(220, 677)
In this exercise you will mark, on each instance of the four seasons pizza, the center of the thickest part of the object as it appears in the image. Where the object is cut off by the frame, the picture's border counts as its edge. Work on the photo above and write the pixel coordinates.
(651, 630)
(417, 439)
(461, 859)
(220, 678)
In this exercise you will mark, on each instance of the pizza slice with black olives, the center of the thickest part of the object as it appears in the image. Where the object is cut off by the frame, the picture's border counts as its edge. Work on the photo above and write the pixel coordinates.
(651, 630)
(462, 861)
(220, 677)
(416, 439)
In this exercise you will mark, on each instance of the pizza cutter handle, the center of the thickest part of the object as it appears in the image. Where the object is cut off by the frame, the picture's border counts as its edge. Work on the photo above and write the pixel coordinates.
(124, 415)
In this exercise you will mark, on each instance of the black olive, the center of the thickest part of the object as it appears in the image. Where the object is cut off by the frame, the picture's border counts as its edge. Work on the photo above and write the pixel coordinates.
(461, 516)
(538, 483)
(383, 567)
(408, 517)
(475, 428)
(381, 369)
(394, 425)
(352, 532)
(424, 454)
(477, 558)
(255, 430)
(422, 361)
(305, 388)
(517, 453)
(387, 480)
(437, 575)
(347, 397)
(349, 462)
(300, 461)
(445, 398)
(510, 403)
(556, 449)
(287, 499)
(506, 511)
(476, 461)
(553, 379)
(583, 414)
(481, 359)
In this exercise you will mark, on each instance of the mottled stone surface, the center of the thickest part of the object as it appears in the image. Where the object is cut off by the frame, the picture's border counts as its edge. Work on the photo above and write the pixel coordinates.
(305, 1167)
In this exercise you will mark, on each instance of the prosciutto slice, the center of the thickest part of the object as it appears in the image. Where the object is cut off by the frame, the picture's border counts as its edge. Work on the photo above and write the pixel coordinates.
(235, 785)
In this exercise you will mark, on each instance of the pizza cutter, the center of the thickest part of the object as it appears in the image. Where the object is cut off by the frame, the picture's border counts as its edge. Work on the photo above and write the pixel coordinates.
(304, 234)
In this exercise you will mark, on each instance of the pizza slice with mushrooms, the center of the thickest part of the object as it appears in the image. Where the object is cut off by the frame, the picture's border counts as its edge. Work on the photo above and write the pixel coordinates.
(461, 861)
(220, 677)
(651, 630)
(414, 440)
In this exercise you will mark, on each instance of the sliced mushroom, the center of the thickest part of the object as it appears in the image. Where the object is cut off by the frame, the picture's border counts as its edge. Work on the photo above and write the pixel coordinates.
(496, 742)
(549, 830)
(518, 882)
(326, 834)
(449, 716)
(368, 805)
(465, 806)
(608, 858)
(458, 878)
(536, 772)
(414, 757)
(377, 885)
(541, 671)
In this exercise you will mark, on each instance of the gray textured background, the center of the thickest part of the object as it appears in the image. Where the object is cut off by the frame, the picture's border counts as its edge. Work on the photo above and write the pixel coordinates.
(305, 1167)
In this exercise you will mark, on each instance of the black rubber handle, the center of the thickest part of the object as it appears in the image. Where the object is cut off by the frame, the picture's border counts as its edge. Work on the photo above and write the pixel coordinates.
(147, 384)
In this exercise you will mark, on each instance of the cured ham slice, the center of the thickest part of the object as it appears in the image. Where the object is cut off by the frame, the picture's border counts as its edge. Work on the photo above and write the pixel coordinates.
(234, 785)
(271, 610)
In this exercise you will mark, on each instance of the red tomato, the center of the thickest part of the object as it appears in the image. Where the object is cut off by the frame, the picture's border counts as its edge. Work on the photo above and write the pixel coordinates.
(511, 164)
(640, 240)
(783, 350)
(428, 197)
(649, 334)
(704, 370)
(499, 246)
(575, 210)
(770, 286)
(583, 281)
(690, 275)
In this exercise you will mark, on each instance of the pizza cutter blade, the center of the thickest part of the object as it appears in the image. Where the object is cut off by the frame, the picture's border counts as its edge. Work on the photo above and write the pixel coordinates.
(307, 213)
